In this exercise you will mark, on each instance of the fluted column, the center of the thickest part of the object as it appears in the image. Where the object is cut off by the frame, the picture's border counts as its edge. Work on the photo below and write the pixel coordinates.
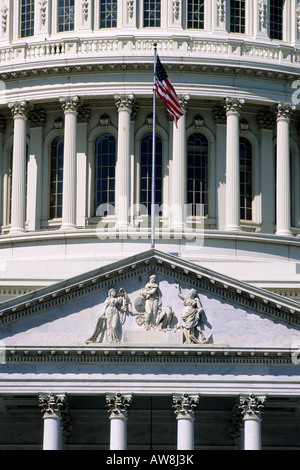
(251, 409)
(185, 405)
(233, 109)
(55, 414)
(70, 107)
(117, 405)
(283, 187)
(19, 111)
(124, 105)
(179, 185)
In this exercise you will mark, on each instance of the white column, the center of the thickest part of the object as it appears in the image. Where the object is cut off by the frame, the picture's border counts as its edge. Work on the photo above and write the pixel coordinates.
(185, 405)
(70, 106)
(251, 408)
(19, 111)
(2, 132)
(179, 189)
(117, 404)
(54, 411)
(124, 105)
(267, 171)
(283, 193)
(233, 108)
(34, 179)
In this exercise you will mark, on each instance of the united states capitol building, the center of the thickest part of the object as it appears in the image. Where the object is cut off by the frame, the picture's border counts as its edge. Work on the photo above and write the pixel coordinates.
(109, 341)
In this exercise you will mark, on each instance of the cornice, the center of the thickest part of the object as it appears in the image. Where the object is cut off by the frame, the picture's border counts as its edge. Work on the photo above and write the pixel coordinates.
(193, 354)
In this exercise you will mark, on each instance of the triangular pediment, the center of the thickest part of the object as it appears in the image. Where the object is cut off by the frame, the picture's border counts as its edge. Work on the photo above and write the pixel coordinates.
(232, 314)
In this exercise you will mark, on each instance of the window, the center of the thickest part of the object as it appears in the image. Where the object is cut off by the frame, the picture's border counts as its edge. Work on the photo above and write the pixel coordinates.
(245, 179)
(276, 19)
(66, 14)
(237, 16)
(105, 171)
(195, 14)
(146, 171)
(197, 174)
(152, 13)
(27, 18)
(56, 177)
(108, 13)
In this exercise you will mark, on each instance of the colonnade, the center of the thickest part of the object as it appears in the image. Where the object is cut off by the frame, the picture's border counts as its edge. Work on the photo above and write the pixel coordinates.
(55, 410)
(125, 105)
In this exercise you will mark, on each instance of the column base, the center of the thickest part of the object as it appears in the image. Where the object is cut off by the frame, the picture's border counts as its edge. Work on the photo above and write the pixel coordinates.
(233, 228)
(17, 231)
(284, 233)
(68, 227)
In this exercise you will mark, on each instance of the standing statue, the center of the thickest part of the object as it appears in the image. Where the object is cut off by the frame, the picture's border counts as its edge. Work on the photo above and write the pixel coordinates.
(112, 318)
(191, 317)
(148, 304)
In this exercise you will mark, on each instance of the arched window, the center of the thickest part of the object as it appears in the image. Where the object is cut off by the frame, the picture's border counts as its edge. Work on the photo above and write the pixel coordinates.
(197, 174)
(195, 14)
(146, 171)
(56, 177)
(105, 173)
(276, 19)
(108, 13)
(237, 16)
(66, 15)
(27, 18)
(245, 179)
(152, 13)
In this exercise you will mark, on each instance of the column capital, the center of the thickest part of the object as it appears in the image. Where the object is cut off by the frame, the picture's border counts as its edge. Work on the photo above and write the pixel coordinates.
(185, 405)
(70, 103)
(52, 404)
(117, 404)
(284, 110)
(2, 125)
(184, 101)
(124, 102)
(233, 105)
(19, 109)
(84, 114)
(251, 406)
(219, 114)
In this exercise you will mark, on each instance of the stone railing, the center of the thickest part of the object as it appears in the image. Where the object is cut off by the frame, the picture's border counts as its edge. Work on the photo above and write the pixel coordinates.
(194, 49)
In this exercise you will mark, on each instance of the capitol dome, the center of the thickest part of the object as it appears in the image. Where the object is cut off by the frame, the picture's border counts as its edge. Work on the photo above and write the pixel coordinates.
(77, 113)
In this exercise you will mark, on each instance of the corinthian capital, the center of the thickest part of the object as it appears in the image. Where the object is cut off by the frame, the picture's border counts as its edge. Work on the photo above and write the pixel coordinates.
(184, 101)
(52, 404)
(234, 105)
(19, 108)
(251, 406)
(70, 103)
(284, 110)
(124, 102)
(185, 405)
(117, 404)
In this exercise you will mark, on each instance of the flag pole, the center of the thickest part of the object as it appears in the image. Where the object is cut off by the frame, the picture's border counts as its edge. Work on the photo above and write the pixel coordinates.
(153, 155)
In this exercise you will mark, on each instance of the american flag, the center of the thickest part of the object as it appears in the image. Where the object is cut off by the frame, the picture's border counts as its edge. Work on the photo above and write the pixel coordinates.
(166, 92)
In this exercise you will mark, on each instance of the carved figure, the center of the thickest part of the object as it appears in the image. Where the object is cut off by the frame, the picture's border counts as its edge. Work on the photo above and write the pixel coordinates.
(147, 305)
(165, 319)
(113, 316)
(191, 317)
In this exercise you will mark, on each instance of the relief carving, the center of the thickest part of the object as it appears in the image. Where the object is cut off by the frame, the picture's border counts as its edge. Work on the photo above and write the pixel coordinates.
(149, 314)
(113, 317)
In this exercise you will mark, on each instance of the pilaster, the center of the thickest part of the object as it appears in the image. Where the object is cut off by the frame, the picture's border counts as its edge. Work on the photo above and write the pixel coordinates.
(117, 405)
(233, 108)
(219, 114)
(185, 406)
(83, 117)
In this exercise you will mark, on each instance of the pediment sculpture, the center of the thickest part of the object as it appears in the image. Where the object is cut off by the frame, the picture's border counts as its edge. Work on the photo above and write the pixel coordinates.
(150, 315)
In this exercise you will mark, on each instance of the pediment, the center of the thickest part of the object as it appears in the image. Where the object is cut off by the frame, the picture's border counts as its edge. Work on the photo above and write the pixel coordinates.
(110, 307)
